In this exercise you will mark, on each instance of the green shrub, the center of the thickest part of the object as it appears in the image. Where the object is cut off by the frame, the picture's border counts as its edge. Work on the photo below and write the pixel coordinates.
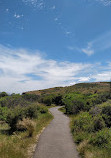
(57, 100)
(106, 111)
(105, 96)
(30, 97)
(16, 114)
(98, 123)
(3, 94)
(94, 99)
(47, 100)
(75, 106)
(84, 123)
(13, 116)
(78, 138)
(3, 113)
(94, 111)
(12, 101)
(4, 102)
(88, 105)
(43, 110)
(31, 111)
(102, 138)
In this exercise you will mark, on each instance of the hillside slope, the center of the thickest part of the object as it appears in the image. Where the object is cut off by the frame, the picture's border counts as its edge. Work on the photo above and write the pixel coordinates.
(94, 87)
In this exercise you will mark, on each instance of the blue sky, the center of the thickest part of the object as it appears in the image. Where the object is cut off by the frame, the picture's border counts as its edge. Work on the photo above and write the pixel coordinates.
(47, 43)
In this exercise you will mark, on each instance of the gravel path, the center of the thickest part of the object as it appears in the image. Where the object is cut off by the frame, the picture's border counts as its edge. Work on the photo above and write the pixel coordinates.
(56, 140)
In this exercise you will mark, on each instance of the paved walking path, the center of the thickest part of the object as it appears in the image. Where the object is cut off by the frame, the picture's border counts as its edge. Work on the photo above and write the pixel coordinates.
(56, 140)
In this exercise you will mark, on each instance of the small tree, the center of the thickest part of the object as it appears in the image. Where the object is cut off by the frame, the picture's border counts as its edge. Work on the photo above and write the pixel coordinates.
(13, 116)
(3, 94)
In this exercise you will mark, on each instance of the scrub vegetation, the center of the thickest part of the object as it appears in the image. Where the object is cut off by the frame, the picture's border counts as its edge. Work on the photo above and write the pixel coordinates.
(92, 131)
(87, 104)
(21, 120)
(90, 122)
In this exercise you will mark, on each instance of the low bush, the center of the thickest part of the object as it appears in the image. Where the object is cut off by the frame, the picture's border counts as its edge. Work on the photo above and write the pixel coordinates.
(31, 111)
(74, 107)
(12, 101)
(79, 138)
(84, 123)
(17, 114)
(47, 100)
(101, 138)
(30, 97)
(94, 111)
(3, 113)
(74, 103)
(98, 123)
(57, 99)
(43, 110)
(13, 116)
(106, 113)
(77, 106)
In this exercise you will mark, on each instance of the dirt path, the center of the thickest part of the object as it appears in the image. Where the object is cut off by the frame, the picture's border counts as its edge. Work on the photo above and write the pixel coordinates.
(56, 140)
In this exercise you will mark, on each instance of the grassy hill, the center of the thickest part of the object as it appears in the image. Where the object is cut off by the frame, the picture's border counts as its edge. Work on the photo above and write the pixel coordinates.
(94, 87)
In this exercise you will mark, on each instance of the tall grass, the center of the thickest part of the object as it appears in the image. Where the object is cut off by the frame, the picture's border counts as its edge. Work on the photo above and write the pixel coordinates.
(17, 145)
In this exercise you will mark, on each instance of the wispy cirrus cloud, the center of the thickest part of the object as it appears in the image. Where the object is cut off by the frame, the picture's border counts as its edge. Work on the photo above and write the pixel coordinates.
(105, 2)
(97, 45)
(37, 4)
(88, 50)
(101, 43)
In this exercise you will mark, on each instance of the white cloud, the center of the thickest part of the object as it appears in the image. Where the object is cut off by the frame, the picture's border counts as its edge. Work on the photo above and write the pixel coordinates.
(17, 16)
(24, 70)
(84, 79)
(104, 76)
(17, 65)
(87, 51)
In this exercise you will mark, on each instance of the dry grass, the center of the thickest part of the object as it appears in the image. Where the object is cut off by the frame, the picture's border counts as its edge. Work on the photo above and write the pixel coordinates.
(27, 124)
(82, 147)
(89, 154)
(80, 87)
(18, 144)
